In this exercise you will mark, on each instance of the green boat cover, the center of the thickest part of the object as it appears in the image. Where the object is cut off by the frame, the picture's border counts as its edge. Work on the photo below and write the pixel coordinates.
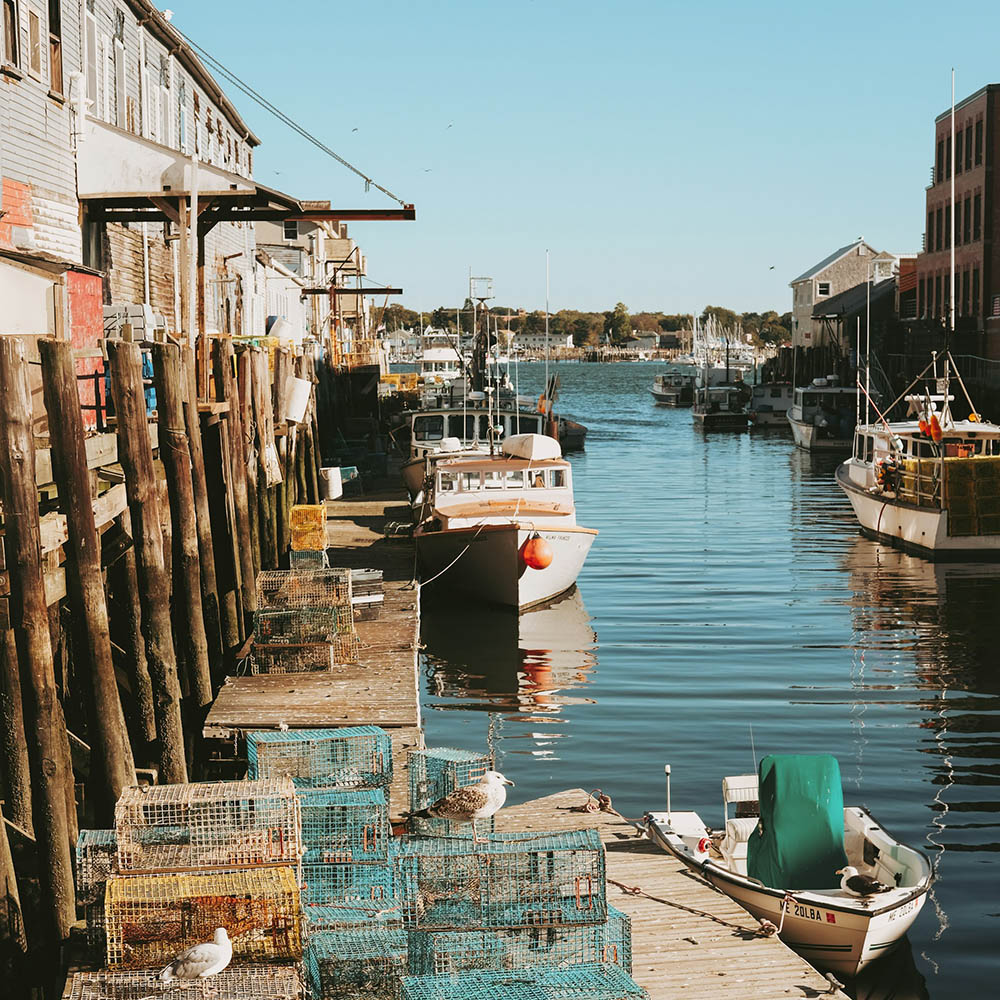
(799, 840)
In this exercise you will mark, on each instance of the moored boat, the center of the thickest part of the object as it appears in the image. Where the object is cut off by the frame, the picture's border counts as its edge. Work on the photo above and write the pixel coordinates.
(836, 886)
(502, 527)
(720, 408)
(769, 403)
(822, 415)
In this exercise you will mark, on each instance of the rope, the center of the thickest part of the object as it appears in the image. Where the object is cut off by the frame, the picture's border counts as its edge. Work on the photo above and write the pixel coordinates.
(424, 583)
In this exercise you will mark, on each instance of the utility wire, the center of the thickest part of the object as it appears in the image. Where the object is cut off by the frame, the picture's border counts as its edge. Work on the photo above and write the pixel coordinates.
(282, 117)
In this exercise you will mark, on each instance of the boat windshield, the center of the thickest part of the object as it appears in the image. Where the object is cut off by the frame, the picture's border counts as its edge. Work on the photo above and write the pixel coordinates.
(429, 427)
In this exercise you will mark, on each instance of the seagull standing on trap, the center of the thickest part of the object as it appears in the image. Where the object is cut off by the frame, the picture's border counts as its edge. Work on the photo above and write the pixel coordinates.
(470, 803)
(200, 961)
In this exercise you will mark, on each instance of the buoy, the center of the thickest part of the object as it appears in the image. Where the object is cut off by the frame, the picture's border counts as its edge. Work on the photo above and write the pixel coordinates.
(704, 845)
(936, 432)
(925, 428)
(974, 418)
(536, 553)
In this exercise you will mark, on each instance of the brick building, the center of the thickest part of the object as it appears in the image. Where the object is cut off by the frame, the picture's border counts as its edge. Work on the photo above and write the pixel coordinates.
(977, 277)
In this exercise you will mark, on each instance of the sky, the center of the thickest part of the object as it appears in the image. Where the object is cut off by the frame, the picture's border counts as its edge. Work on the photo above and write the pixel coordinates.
(667, 155)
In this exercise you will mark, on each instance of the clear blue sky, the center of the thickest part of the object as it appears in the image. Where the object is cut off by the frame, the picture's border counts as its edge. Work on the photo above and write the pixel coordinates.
(667, 154)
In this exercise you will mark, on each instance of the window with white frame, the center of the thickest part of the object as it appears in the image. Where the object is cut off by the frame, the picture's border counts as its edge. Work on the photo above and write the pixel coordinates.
(291, 229)
(822, 289)
(166, 83)
(182, 116)
(90, 46)
(8, 54)
(55, 47)
(34, 44)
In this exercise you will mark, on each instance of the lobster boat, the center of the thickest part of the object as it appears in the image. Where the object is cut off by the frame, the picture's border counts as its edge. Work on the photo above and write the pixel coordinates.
(831, 881)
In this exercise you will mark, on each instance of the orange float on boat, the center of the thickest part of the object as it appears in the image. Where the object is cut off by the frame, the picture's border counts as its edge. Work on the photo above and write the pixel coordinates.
(936, 432)
(536, 553)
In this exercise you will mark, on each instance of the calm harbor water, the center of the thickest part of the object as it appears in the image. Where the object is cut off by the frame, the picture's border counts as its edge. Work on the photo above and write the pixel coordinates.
(729, 588)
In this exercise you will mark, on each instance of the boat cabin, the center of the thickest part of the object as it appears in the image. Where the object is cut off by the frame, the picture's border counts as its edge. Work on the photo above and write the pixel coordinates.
(428, 428)
(771, 397)
(829, 406)
(719, 399)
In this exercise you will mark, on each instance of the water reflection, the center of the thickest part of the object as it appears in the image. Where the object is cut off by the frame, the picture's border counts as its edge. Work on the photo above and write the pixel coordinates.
(488, 659)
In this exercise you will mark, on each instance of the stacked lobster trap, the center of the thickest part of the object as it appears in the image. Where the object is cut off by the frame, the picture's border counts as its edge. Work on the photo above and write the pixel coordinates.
(186, 859)
(576, 982)
(303, 621)
(433, 775)
(260, 982)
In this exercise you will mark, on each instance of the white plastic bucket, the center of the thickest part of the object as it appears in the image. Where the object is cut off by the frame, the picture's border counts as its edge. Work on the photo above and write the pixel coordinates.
(297, 399)
(330, 484)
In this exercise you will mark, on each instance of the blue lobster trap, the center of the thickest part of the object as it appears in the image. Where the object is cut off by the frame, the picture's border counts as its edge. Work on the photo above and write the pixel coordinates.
(449, 952)
(368, 886)
(576, 982)
(513, 880)
(346, 825)
(357, 962)
(433, 774)
(352, 913)
(352, 757)
(96, 854)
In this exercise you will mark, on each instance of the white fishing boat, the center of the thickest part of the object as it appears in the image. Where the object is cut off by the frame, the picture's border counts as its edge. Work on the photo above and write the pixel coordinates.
(720, 408)
(929, 484)
(502, 527)
(822, 415)
(769, 405)
(836, 886)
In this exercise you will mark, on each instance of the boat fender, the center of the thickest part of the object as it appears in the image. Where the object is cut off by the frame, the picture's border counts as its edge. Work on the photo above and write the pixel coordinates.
(936, 432)
(536, 553)
(704, 845)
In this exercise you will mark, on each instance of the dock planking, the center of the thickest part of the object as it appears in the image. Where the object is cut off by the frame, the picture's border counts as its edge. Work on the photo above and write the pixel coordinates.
(380, 689)
(691, 941)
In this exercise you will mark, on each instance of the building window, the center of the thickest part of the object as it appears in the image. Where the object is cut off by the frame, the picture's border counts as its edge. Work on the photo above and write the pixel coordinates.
(976, 304)
(291, 230)
(996, 306)
(182, 141)
(939, 171)
(119, 83)
(9, 32)
(977, 212)
(968, 147)
(947, 227)
(921, 304)
(90, 43)
(959, 144)
(965, 293)
(55, 46)
(967, 219)
(937, 295)
(34, 44)
(979, 142)
(929, 237)
(937, 229)
(822, 289)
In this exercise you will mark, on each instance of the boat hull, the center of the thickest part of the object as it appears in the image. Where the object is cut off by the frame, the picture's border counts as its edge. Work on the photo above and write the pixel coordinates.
(920, 530)
(485, 562)
(808, 436)
(721, 421)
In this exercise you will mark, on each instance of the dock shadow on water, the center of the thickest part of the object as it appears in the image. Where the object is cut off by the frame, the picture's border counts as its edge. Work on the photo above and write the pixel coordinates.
(730, 586)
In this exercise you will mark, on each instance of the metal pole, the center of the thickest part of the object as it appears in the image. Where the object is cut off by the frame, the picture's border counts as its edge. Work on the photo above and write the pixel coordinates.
(666, 771)
(857, 361)
(868, 340)
(547, 332)
(954, 153)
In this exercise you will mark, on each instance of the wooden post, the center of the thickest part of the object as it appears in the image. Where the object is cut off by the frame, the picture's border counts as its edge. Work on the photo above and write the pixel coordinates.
(15, 776)
(13, 941)
(136, 457)
(237, 455)
(125, 591)
(176, 460)
(244, 400)
(47, 741)
(84, 578)
(278, 393)
(265, 437)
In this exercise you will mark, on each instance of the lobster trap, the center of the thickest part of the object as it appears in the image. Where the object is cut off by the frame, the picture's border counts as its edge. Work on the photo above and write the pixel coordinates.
(95, 933)
(514, 880)
(350, 757)
(217, 824)
(150, 919)
(238, 982)
(368, 962)
(450, 952)
(576, 982)
(96, 852)
(285, 658)
(306, 559)
(301, 626)
(346, 825)
(368, 887)
(433, 774)
(305, 588)
(352, 913)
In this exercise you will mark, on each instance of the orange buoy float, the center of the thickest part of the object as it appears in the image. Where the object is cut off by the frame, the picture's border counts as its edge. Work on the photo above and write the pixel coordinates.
(936, 432)
(536, 553)
(925, 428)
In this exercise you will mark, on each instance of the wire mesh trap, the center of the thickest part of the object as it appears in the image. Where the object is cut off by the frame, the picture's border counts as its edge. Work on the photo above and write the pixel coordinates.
(519, 880)
(350, 757)
(96, 852)
(346, 825)
(151, 918)
(303, 588)
(352, 913)
(577, 982)
(299, 626)
(95, 932)
(217, 824)
(433, 774)
(369, 963)
(330, 883)
(285, 658)
(238, 982)
(437, 953)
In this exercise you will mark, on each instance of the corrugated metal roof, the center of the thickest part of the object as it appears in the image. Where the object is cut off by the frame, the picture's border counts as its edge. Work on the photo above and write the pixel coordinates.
(827, 261)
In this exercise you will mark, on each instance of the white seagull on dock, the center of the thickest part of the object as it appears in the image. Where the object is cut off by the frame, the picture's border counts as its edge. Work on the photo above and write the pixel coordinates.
(860, 885)
(471, 802)
(202, 960)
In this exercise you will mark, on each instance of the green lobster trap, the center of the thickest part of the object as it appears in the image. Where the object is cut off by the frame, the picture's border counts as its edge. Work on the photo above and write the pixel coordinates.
(577, 982)
(346, 825)
(365, 963)
(436, 772)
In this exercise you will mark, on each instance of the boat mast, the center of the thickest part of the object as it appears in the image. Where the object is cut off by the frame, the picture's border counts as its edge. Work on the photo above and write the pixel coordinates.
(954, 153)
(548, 408)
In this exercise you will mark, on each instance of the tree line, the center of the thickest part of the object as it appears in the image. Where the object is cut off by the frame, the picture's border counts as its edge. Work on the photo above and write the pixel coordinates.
(616, 326)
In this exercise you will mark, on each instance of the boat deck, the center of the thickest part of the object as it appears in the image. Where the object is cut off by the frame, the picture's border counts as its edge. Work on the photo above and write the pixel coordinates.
(381, 689)
(688, 940)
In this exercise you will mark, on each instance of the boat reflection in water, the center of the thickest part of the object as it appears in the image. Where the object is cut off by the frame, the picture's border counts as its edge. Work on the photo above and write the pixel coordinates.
(487, 659)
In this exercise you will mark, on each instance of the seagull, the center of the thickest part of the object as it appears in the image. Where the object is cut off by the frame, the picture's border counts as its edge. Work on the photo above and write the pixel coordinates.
(471, 802)
(201, 961)
(860, 885)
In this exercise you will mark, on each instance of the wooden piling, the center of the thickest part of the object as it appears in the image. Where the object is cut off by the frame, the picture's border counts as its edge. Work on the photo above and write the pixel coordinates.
(15, 776)
(206, 544)
(84, 579)
(264, 421)
(47, 741)
(244, 399)
(13, 940)
(176, 459)
(136, 458)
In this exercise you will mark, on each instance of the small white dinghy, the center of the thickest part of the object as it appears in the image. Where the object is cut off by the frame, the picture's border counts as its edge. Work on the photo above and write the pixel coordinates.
(841, 892)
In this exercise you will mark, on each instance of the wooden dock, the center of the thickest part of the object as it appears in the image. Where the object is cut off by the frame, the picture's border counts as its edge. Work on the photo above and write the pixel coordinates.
(381, 689)
(688, 940)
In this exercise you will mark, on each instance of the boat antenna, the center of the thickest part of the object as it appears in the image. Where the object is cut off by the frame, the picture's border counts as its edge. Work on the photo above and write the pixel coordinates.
(547, 332)
(857, 379)
(951, 289)
(753, 749)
